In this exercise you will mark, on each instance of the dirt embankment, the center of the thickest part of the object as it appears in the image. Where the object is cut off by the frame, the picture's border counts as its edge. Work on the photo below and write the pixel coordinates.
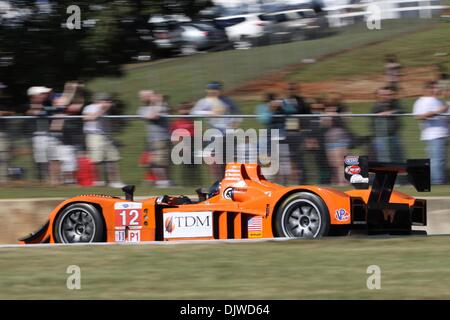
(354, 88)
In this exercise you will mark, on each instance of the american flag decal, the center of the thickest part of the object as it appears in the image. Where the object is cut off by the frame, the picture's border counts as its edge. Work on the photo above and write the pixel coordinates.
(255, 224)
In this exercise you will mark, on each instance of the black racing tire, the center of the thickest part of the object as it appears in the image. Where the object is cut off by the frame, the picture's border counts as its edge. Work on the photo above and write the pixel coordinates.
(79, 223)
(302, 215)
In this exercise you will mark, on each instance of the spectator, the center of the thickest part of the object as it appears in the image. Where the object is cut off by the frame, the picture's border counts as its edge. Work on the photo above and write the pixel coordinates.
(4, 142)
(232, 107)
(99, 144)
(41, 139)
(55, 147)
(215, 105)
(386, 129)
(392, 71)
(269, 114)
(297, 129)
(337, 137)
(188, 177)
(434, 129)
(152, 109)
(315, 143)
(443, 80)
(72, 131)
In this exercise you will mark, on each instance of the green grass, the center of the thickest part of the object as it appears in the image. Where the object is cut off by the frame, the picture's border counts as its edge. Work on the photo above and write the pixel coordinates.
(411, 268)
(419, 49)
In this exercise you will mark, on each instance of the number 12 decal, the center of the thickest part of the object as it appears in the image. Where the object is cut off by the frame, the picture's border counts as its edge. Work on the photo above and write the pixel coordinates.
(128, 214)
(130, 218)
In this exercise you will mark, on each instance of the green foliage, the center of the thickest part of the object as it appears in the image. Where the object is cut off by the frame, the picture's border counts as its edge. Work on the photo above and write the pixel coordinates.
(43, 51)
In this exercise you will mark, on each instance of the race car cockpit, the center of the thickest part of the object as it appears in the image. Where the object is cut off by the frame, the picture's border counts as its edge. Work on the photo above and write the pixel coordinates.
(205, 194)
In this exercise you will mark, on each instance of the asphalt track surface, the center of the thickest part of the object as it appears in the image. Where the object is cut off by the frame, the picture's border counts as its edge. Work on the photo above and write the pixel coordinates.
(212, 242)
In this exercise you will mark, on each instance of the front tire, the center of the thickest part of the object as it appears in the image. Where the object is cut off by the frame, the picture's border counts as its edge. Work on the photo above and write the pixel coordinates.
(302, 215)
(79, 223)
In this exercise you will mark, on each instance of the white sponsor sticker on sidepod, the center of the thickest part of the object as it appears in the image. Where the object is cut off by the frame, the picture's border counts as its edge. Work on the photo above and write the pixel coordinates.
(188, 225)
(127, 205)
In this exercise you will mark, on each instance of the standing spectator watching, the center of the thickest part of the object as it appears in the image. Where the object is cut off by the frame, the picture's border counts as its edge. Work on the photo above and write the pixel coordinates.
(55, 147)
(337, 137)
(72, 132)
(232, 107)
(393, 71)
(213, 105)
(386, 128)
(185, 131)
(315, 143)
(4, 141)
(269, 114)
(443, 80)
(100, 146)
(297, 129)
(434, 129)
(41, 139)
(153, 110)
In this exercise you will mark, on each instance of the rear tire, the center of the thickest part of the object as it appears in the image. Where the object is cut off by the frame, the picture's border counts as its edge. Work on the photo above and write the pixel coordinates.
(79, 223)
(302, 215)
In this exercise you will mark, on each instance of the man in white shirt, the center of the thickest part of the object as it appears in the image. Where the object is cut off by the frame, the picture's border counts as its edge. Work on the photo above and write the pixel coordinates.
(428, 110)
(213, 105)
(100, 147)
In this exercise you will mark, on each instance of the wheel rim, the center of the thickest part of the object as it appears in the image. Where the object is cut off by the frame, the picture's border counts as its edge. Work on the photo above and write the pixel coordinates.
(301, 219)
(77, 225)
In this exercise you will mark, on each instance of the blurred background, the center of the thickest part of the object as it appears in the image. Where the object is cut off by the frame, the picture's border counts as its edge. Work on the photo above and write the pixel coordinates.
(90, 95)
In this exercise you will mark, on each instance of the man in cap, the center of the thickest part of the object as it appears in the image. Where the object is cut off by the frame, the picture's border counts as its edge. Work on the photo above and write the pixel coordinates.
(100, 146)
(215, 104)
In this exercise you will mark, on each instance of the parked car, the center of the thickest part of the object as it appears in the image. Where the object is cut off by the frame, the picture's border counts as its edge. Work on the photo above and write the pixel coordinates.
(175, 35)
(166, 33)
(292, 25)
(243, 30)
(199, 36)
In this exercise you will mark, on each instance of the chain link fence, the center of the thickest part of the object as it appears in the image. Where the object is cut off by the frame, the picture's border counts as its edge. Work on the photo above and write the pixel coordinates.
(56, 151)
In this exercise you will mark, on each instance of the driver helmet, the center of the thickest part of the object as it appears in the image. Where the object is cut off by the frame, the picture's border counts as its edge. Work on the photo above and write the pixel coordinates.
(214, 190)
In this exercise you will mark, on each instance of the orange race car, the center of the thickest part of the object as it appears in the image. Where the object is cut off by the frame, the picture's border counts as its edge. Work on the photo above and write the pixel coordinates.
(246, 205)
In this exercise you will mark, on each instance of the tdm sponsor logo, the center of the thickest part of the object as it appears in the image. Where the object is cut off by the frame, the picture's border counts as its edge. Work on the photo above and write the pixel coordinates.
(186, 222)
(187, 225)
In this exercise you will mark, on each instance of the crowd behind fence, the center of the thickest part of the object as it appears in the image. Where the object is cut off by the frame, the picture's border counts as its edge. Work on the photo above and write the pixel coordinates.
(72, 138)
(313, 154)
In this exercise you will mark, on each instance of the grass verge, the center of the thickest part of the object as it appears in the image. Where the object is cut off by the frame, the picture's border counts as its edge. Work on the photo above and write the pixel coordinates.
(411, 268)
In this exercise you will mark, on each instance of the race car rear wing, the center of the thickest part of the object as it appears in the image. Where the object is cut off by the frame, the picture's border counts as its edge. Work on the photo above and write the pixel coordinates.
(357, 169)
